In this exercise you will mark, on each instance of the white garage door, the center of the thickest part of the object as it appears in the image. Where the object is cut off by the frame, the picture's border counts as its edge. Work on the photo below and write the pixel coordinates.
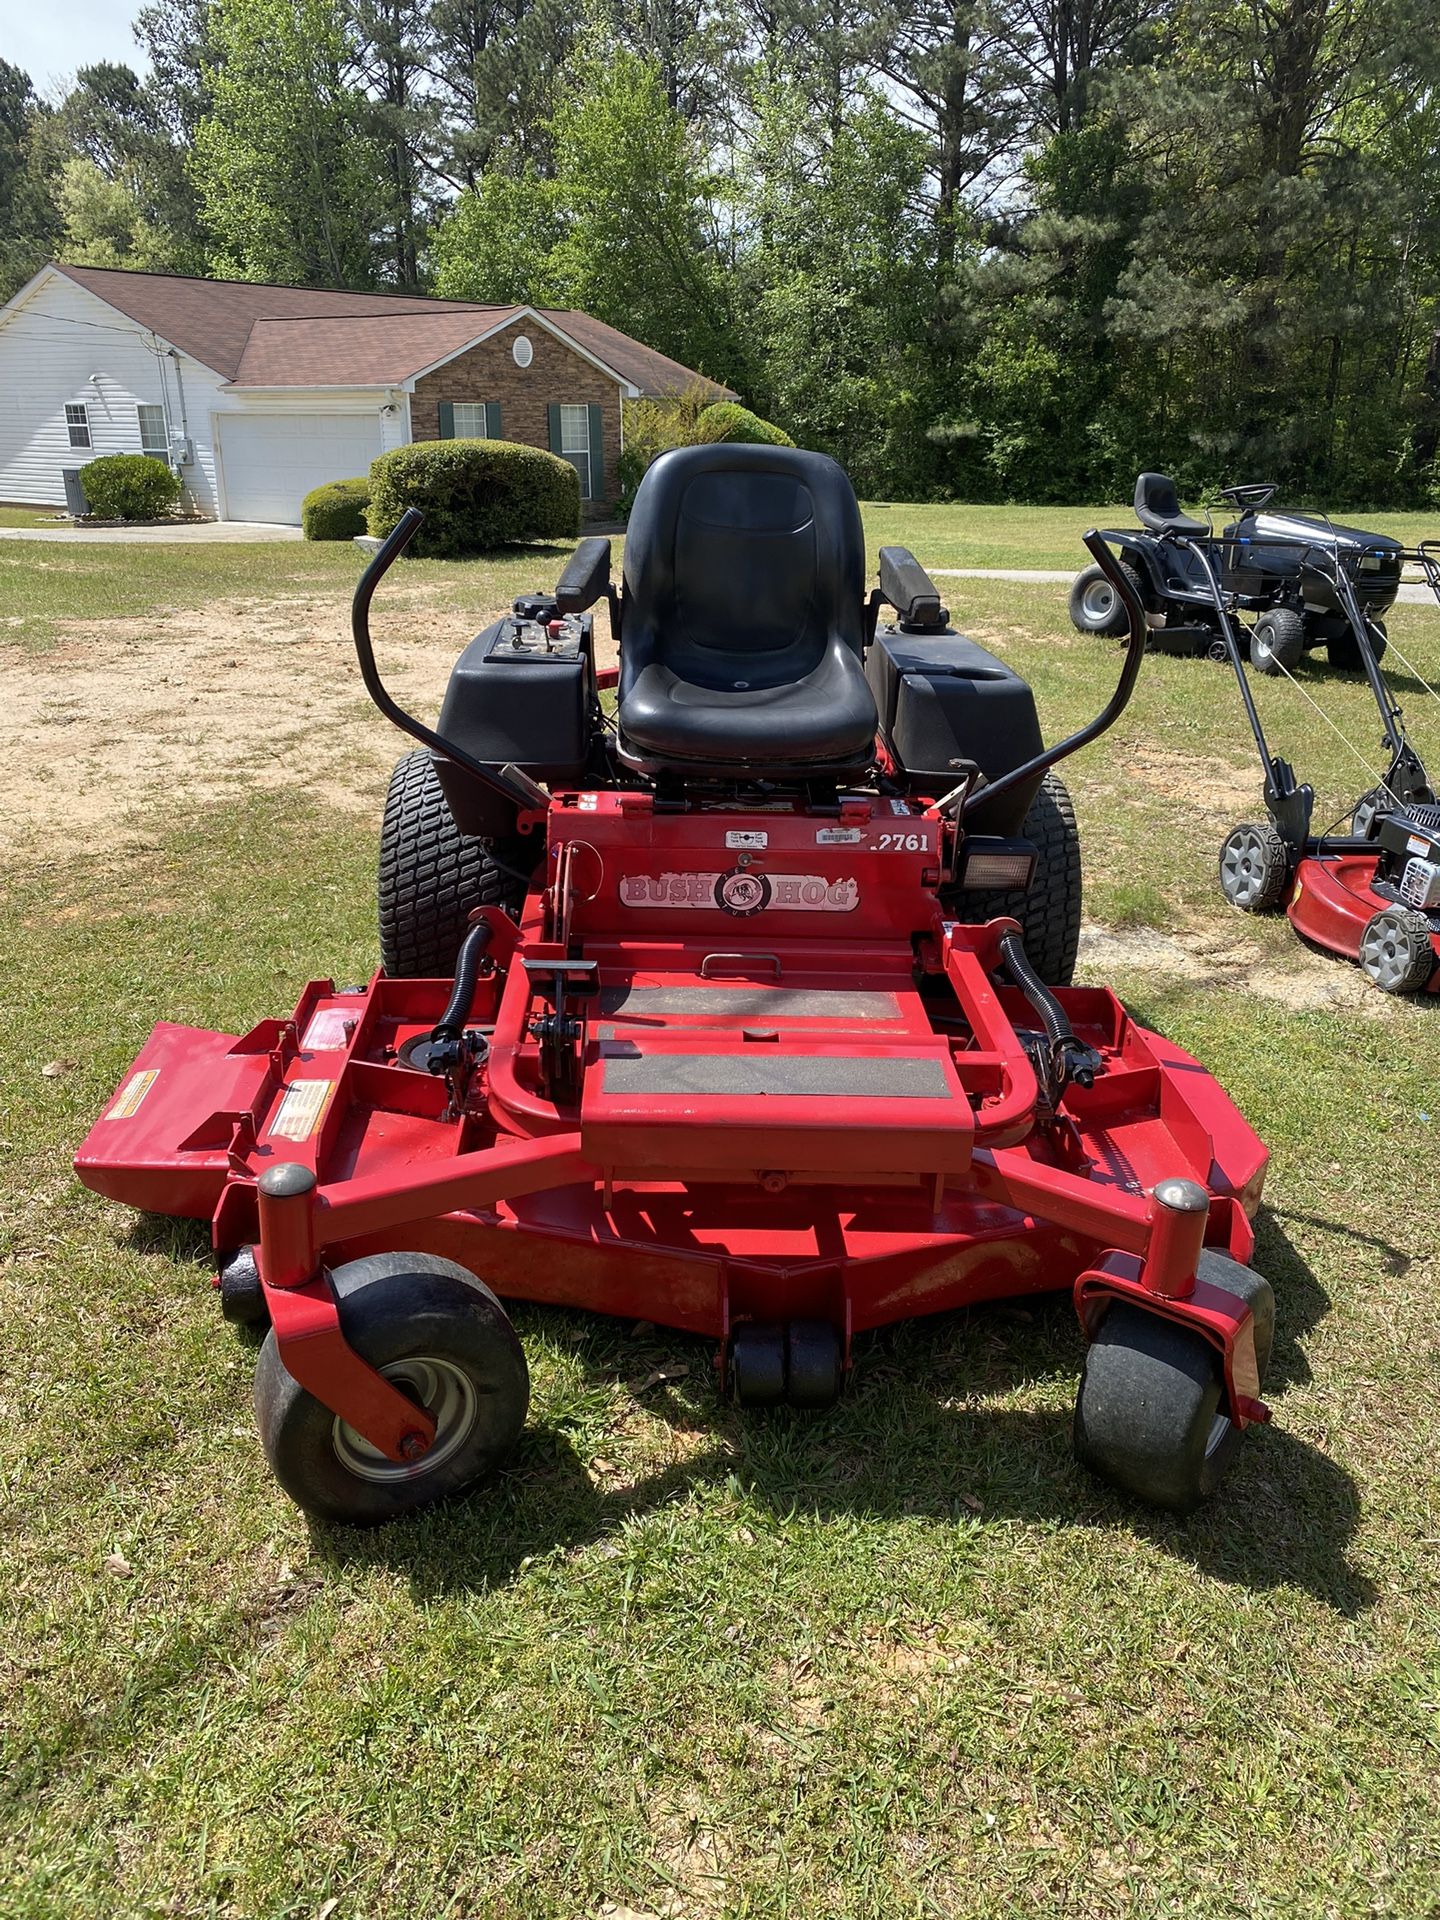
(271, 461)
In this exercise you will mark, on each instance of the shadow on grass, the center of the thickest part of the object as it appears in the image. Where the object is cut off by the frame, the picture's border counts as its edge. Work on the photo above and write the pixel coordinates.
(902, 1442)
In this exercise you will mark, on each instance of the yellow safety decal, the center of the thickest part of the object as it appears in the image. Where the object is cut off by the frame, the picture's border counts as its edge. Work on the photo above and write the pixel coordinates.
(300, 1112)
(127, 1101)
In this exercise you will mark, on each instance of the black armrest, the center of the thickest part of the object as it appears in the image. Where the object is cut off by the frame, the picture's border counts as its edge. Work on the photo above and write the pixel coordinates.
(905, 585)
(586, 578)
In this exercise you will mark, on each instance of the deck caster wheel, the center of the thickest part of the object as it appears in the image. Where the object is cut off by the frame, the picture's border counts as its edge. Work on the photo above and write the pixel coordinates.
(1150, 1415)
(443, 1338)
(242, 1298)
(1396, 950)
(1254, 866)
(814, 1370)
(757, 1365)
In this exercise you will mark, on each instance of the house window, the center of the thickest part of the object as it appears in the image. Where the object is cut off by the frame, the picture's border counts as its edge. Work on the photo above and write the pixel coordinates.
(153, 437)
(77, 424)
(470, 422)
(575, 444)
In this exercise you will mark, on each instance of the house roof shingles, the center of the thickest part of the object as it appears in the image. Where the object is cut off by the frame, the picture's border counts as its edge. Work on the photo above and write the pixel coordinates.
(263, 336)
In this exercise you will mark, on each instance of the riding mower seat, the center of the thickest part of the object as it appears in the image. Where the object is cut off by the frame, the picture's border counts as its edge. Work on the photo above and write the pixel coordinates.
(1157, 506)
(744, 618)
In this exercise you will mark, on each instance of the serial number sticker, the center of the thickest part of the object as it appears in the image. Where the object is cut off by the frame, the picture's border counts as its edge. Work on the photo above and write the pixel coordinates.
(130, 1096)
(328, 1030)
(838, 836)
(301, 1110)
(738, 838)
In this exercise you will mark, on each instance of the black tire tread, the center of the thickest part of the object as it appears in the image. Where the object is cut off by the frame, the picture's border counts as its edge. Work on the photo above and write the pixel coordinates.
(1049, 912)
(1285, 623)
(431, 875)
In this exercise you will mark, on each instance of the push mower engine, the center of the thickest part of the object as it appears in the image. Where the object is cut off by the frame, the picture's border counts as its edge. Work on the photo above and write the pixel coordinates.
(743, 1009)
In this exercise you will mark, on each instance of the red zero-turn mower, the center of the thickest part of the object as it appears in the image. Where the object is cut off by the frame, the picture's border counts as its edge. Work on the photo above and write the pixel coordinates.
(744, 1024)
(1372, 895)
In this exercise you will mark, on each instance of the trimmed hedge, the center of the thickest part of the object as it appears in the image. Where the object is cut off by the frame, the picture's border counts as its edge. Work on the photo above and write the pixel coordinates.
(728, 420)
(129, 486)
(475, 495)
(335, 511)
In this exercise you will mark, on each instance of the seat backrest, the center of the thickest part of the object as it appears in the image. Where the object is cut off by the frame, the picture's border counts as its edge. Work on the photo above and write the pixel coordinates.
(1157, 501)
(742, 558)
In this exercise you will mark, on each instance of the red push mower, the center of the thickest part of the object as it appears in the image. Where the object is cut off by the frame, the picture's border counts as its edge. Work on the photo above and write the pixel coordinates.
(1372, 895)
(743, 1011)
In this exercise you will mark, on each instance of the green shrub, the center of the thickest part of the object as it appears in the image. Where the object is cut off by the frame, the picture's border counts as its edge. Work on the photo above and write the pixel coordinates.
(475, 495)
(129, 486)
(335, 511)
(728, 420)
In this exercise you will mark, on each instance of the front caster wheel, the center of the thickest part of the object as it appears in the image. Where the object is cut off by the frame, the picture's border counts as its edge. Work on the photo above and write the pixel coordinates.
(443, 1338)
(757, 1364)
(814, 1365)
(1150, 1415)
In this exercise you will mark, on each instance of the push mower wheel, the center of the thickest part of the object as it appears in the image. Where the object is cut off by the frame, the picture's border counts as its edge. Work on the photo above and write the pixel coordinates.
(443, 1338)
(1396, 950)
(1095, 606)
(1344, 654)
(1254, 867)
(814, 1370)
(431, 876)
(1150, 1415)
(1049, 913)
(1365, 814)
(757, 1364)
(1277, 643)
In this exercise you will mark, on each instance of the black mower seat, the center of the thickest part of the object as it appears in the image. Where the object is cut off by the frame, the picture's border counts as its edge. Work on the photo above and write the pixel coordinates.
(1157, 506)
(743, 633)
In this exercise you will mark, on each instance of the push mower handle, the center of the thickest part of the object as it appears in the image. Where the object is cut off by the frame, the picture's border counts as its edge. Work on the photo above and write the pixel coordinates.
(522, 798)
(1108, 714)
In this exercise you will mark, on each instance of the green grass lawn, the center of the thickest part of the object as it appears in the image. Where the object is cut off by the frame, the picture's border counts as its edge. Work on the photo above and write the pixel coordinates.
(901, 1659)
(32, 517)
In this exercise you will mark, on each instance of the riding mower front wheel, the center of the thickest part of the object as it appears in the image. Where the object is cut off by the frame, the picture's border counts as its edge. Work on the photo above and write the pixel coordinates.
(439, 1335)
(1277, 642)
(1150, 1415)
(432, 876)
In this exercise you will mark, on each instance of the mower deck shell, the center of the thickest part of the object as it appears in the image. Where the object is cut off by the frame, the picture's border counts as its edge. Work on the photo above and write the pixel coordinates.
(1332, 899)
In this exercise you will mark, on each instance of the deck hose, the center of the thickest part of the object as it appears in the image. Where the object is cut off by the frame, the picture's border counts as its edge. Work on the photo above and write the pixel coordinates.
(450, 1027)
(1071, 1058)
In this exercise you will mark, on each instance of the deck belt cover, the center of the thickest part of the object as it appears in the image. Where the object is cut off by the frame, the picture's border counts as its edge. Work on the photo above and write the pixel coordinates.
(818, 1076)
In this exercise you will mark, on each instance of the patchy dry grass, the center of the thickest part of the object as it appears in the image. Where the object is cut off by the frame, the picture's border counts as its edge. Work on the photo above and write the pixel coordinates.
(902, 1659)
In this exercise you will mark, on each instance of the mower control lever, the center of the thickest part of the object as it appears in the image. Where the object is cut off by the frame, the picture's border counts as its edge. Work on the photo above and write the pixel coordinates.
(404, 531)
(960, 799)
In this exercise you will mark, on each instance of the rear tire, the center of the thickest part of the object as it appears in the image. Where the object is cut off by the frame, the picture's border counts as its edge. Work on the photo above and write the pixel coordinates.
(1150, 1415)
(1254, 867)
(1344, 654)
(431, 876)
(443, 1338)
(1277, 643)
(1049, 912)
(1396, 950)
(1095, 606)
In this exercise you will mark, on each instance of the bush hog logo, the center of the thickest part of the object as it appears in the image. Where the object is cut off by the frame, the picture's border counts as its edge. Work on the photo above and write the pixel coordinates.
(740, 892)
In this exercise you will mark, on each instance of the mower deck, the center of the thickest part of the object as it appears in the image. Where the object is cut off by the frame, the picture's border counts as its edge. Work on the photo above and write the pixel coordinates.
(1333, 899)
(779, 1126)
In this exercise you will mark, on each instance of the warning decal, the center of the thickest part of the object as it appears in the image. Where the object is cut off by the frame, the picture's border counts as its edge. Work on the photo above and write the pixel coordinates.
(329, 1029)
(127, 1101)
(302, 1109)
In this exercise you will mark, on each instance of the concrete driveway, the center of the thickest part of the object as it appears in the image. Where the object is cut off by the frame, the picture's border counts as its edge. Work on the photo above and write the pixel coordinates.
(184, 534)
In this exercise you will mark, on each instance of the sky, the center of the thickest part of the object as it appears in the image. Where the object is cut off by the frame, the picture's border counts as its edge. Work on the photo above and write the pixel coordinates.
(49, 39)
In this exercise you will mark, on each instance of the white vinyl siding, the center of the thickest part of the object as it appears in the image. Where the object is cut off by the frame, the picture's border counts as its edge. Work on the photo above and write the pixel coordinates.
(575, 444)
(153, 437)
(470, 421)
(77, 424)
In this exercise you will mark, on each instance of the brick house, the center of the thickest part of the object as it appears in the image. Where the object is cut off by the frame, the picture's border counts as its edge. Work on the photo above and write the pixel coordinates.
(256, 394)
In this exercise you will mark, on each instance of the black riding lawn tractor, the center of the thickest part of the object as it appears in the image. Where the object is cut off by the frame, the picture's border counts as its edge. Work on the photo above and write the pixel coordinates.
(1259, 562)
